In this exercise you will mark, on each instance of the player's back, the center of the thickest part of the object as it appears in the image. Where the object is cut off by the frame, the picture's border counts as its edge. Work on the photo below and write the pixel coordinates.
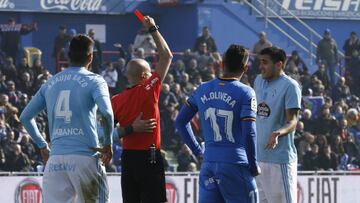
(221, 104)
(70, 101)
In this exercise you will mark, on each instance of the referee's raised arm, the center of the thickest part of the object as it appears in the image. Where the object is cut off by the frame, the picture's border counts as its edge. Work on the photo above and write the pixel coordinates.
(165, 55)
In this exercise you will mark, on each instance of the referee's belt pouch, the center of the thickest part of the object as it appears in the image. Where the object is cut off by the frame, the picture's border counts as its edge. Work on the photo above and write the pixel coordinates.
(152, 154)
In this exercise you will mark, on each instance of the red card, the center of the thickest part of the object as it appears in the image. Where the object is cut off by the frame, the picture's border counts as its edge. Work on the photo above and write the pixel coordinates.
(139, 15)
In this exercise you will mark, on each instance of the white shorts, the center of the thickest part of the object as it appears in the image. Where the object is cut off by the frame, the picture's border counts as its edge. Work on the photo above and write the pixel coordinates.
(75, 178)
(277, 183)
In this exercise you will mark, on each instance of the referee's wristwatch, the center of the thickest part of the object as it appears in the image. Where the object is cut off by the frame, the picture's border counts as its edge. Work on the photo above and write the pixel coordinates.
(153, 28)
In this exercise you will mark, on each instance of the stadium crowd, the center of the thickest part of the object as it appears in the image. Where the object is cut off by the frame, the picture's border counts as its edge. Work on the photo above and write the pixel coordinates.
(327, 135)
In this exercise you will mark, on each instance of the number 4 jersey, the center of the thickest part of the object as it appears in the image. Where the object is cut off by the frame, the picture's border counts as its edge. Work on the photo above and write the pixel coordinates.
(222, 105)
(70, 99)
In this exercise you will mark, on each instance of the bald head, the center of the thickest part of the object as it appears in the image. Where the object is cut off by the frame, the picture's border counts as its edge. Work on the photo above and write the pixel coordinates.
(137, 70)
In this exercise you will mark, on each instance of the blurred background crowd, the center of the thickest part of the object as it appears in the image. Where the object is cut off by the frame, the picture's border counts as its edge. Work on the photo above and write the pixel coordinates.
(327, 135)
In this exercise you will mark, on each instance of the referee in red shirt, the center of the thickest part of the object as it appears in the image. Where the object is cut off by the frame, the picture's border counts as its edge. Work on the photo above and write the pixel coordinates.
(142, 175)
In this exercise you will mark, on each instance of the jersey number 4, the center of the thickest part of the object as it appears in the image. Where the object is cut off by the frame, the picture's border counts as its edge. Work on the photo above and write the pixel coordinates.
(62, 109)
(212, 114)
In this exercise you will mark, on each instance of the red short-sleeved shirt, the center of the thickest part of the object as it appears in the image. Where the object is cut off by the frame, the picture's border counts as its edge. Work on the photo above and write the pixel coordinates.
(130, 103)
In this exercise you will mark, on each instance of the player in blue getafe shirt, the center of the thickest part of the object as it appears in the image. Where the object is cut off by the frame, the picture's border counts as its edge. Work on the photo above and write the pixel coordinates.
(71, 98)
(227, 110)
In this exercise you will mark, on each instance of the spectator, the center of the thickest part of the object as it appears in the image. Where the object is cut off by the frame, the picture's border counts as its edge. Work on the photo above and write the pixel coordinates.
(44, 76)
(299, 133)
(321, 141)
(167, 97)
(122, 82)
(328, 160)
(325, 124)
(338, 112)
(185, 158)
(299, 63)
(203, 55)
(142, 39)
(311, 159)
(192, 167)
(326, 53)
(9, 69)
(166, 162)
(351, 149)
(259, 45)
(4, 129)
(355, 132)
(10, 37)
(23, 101)
(29, 149)
(337, 146)
(17, 160)
(186, 86)
(192, 69)
(341, 90)
(110, 75)
(2, 160)
(305, 145)
(180, 96)
(351, 48)
(352, 116)
(26, 84)
(60, 43)
(12, 92)
(342, 129)
(177, 70)
(3, 86)
(293, 72)
(321, 75)
(97, 53)
(139, 53)
(9, 142)
(207, 39)
(169, 79)
(9, 111)
(38, 67)
(23, 66)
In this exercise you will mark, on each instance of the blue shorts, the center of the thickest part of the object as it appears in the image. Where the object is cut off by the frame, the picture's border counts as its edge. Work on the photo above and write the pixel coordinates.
(226, 182)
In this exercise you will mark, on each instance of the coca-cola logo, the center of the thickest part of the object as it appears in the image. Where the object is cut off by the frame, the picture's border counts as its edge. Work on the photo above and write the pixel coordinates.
(73, 5)
(28, 191)
(6, 4)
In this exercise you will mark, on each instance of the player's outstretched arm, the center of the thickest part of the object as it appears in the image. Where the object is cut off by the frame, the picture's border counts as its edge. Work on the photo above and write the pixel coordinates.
(165, 55)
(183, 125)
(290, 125)
(27, 118)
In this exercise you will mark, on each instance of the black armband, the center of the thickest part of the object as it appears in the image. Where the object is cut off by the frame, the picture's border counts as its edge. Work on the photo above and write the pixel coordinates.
(128, 129)
(153, 28)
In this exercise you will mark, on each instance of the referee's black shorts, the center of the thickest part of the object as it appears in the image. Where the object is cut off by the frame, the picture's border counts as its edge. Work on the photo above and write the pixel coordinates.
(142, 181)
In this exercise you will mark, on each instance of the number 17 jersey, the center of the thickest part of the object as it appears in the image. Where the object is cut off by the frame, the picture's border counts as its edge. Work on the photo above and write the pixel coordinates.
(222, 105)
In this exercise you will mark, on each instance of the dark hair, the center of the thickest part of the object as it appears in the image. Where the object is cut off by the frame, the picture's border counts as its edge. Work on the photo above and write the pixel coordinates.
(235, 58)
(294, 53)
(80, 47)
(276, 54)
